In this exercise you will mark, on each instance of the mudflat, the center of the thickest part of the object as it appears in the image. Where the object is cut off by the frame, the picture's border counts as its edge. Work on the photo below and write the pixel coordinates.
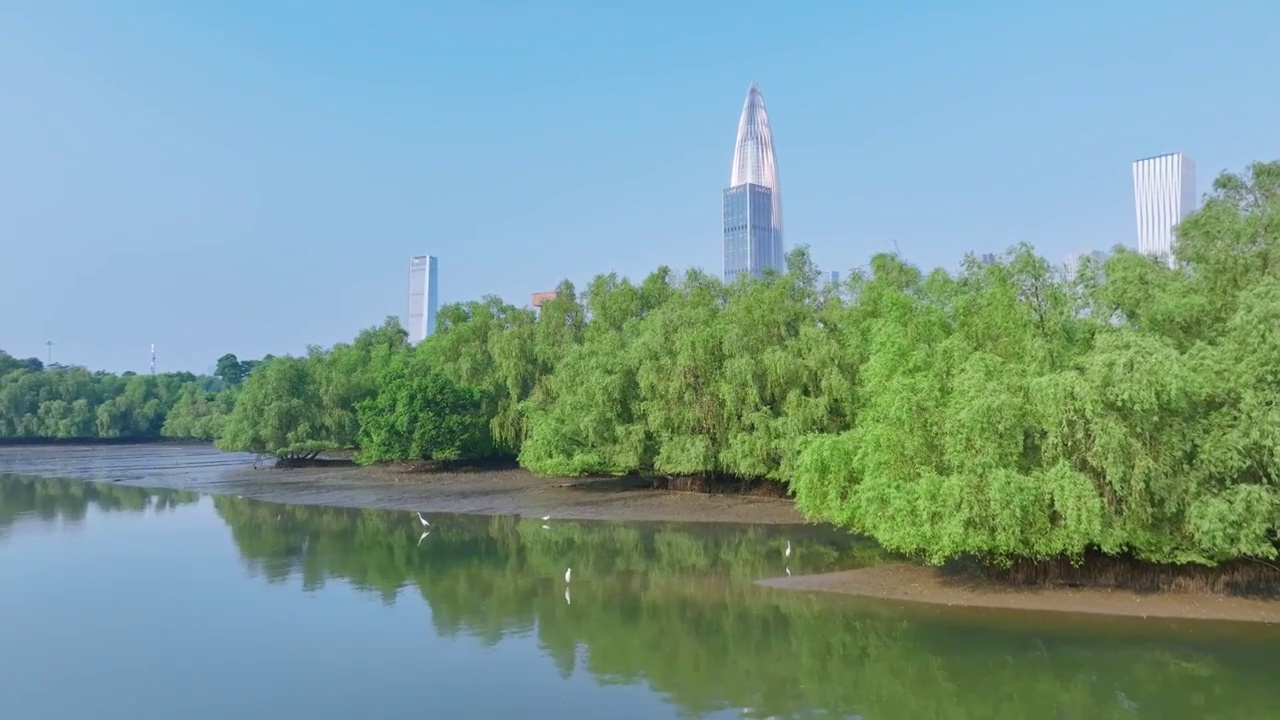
(915, 583)
(504, 492)
(483, 492)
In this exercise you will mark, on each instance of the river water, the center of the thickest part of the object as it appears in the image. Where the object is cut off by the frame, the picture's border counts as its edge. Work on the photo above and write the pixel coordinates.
(127, 602)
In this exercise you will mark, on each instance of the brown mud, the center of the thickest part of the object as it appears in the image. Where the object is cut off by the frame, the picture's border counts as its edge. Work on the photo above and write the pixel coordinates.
(491, 489)
(918, 584)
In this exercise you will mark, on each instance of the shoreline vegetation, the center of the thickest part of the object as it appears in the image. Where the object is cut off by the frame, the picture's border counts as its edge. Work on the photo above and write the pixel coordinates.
(1114, 425)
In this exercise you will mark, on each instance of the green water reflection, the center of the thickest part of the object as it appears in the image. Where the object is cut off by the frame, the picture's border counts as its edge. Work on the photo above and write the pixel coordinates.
(673, 606)
(53, 499)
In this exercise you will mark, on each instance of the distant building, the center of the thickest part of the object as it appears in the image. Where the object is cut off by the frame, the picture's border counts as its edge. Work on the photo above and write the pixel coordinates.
(828, 277)
(1164, 193)
(987, 259)
(753, 200)
(424, 297)
(1072, 264)
(541, 298)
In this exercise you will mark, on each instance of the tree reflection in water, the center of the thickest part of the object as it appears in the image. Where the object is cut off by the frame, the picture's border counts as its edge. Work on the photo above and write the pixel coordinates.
(69, 500)
(673, 606)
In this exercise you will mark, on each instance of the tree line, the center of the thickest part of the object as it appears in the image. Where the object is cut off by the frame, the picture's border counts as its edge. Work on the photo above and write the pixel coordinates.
(1009, 410)
(56, 402)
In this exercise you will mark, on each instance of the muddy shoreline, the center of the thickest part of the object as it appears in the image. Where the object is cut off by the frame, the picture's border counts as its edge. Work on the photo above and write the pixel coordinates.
(918, 584)
(501, 492)
(477, 491)
(512, 491)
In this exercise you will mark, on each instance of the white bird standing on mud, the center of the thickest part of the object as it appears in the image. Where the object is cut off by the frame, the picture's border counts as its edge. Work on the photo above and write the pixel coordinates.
(424, 521)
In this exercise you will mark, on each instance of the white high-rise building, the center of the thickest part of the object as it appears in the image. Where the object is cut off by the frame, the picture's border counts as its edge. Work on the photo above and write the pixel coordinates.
(423, 297)
(1164, 192)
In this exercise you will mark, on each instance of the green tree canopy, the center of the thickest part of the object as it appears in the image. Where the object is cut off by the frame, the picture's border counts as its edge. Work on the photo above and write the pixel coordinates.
(418, 413)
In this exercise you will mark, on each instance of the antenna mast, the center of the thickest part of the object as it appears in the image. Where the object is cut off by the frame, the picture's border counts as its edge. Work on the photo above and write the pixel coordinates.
(153, 358)
(49, 360)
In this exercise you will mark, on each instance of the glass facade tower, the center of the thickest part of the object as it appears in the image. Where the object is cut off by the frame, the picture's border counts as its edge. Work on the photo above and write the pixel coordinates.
(753, 200)
(749, 237)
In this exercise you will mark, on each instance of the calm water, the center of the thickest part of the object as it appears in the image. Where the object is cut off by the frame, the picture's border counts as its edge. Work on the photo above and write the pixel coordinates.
(120, 602)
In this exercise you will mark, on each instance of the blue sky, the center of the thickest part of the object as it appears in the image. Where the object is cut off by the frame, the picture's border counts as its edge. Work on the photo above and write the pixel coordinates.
(251, 177)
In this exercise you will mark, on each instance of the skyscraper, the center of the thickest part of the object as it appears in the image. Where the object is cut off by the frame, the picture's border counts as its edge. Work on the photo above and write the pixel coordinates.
(753, 200)
(1164, 192)
(423, 297)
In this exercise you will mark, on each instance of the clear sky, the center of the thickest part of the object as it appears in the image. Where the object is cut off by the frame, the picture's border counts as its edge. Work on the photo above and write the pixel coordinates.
(251, 177)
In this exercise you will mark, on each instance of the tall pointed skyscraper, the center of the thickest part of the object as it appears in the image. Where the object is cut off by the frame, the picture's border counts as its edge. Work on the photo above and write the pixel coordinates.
(753, 200)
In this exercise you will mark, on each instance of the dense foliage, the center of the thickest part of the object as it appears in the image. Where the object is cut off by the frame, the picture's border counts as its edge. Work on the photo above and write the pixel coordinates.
(420, 413)
(71, 403)
(1005, 411)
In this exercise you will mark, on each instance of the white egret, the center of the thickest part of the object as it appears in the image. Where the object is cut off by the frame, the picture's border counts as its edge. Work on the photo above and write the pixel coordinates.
(423, 520)
(567, 574)
(546, 518)
(787, 552)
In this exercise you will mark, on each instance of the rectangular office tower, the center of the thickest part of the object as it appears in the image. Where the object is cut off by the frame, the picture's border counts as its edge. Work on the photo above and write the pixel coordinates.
(750, 241)
(423, 297)
(1164, 192)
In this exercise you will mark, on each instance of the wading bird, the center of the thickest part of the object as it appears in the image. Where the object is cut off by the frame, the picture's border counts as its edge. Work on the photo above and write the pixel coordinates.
(567, 574)
(426, 523)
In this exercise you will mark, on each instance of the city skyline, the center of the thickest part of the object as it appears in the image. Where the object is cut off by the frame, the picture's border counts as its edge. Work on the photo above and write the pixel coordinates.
(424, 297)
(1164, 193)
(752, 204)
(239, 140)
